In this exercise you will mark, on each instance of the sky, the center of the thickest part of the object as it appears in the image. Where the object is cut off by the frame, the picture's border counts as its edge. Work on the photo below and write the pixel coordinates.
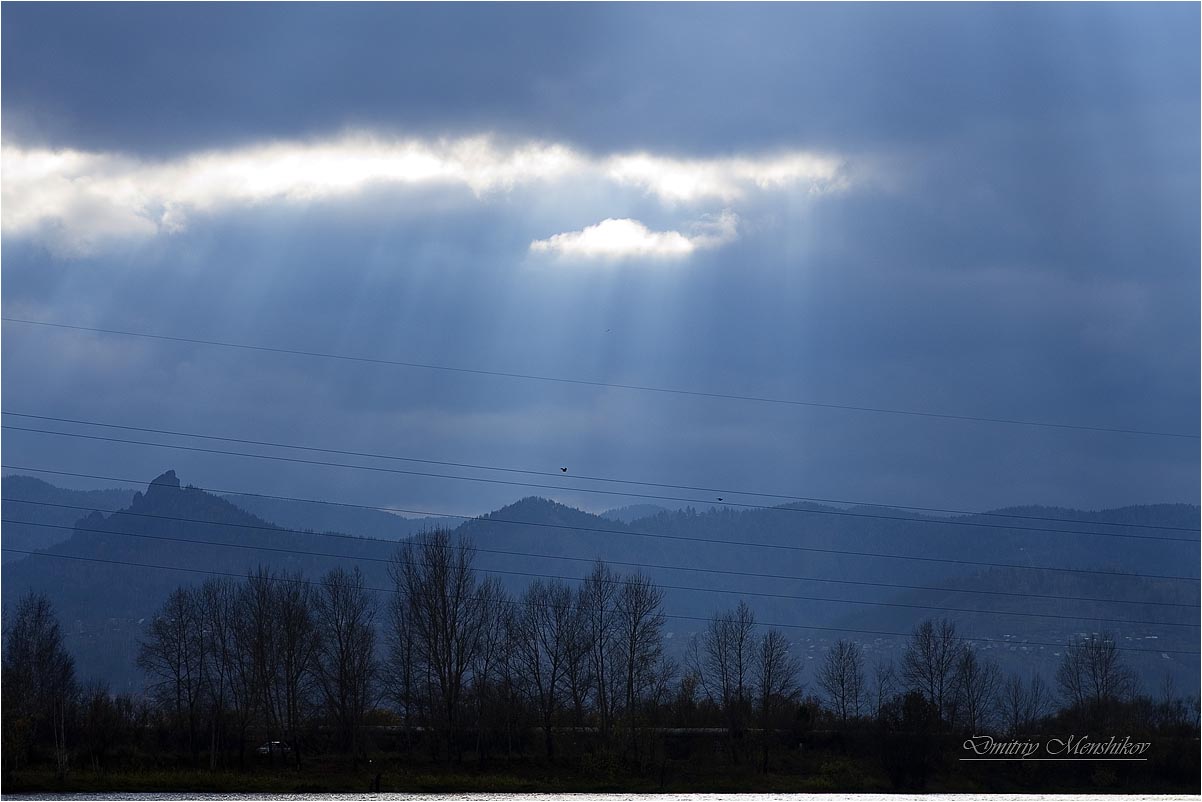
(975, 210)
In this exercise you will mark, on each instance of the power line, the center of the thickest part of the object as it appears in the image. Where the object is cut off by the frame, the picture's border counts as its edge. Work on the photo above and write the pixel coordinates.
(518, 602)
(532, 575)
(506, 521)
(815, 549)
(561, 488)
(359, 539)
(528, 472)
(610, 385)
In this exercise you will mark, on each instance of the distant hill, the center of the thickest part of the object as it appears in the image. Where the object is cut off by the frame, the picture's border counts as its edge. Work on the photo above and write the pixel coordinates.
(854, 590)
(103, 602)
(633, 512)
(74, 504)
(705, 560)
(321, 517)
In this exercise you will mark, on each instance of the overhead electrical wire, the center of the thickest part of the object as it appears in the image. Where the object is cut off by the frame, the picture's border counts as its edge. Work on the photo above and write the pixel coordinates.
(561, 488)
(359, 539)
(505, 521)
(582, 477)
(1001, 641)
(532, 575)
(615, 481)
(610, 385)
(848, 552)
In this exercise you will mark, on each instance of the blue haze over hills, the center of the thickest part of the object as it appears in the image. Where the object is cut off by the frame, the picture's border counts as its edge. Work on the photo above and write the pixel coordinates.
(105, 605)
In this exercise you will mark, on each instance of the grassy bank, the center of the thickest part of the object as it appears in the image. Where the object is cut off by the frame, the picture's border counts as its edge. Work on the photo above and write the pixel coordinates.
(818, 773)
(318, 777)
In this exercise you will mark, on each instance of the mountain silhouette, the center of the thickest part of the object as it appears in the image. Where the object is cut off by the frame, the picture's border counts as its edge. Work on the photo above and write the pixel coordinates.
(706, 560)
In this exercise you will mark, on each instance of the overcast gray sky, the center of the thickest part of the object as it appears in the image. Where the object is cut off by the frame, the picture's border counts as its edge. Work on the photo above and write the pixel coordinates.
(982, 210)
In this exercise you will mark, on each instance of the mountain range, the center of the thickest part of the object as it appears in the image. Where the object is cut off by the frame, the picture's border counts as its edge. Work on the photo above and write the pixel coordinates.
(25, 496)
(823, 572)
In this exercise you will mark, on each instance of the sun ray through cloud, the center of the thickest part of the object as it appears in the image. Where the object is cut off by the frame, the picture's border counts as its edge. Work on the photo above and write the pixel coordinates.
(78, 201)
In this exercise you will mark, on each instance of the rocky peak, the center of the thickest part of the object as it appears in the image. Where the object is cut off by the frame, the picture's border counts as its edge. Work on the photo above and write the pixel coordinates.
(167, 479)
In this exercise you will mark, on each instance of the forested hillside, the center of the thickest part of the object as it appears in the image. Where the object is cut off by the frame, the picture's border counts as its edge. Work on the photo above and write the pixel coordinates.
(821, 572)
(56, 509)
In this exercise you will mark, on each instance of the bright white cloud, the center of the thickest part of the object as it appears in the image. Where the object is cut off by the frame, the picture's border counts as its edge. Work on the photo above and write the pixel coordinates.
(625, 238)
(689, 181)
(714, 230)
(78, 201)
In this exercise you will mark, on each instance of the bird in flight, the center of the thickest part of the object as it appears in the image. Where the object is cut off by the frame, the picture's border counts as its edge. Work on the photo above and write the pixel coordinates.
(565, 470)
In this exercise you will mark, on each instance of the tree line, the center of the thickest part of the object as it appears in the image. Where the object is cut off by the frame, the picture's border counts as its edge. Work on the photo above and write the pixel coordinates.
(965, 690)
(451, 664)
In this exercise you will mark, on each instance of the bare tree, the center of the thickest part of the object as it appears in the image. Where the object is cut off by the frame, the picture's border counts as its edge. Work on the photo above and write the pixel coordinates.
(488, 667)
(598, 595)
(277, 631)
(1092, 672)
(1022, 703)
(929, 663)
(722, 659)
(578, 673)
(246, 631)
(258, 638)
(640, 642)
(1172, 709)
(777, 683)
(664, 677)
(173, 656)
(977, 684)
(104, 721)
(842, 677)
(217, 600)
(444, 613)
(38, 682)
(512, 690)
(292, 682)
(346, 659)
(401, 674)
(1039, 699)
(884, 685)
(545, 624)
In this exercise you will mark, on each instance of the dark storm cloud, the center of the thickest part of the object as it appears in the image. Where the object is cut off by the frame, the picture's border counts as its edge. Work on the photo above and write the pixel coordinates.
(1019, 239)
(163, 78)
(822, 324)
